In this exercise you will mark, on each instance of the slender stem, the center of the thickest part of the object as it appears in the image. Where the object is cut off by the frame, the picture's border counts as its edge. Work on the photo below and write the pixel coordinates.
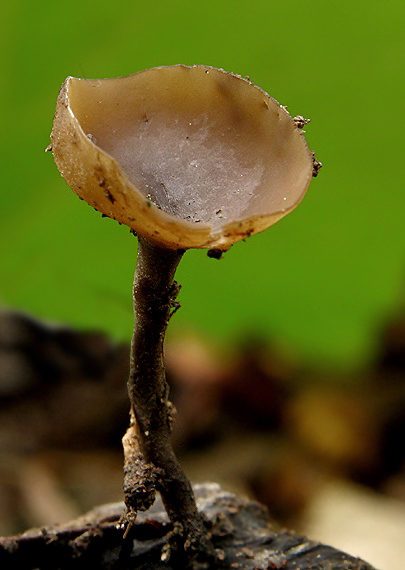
(150, 463)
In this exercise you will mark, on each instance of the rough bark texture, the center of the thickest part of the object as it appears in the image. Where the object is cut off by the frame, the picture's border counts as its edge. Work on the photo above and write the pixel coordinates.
(150, 463)
(241, 533)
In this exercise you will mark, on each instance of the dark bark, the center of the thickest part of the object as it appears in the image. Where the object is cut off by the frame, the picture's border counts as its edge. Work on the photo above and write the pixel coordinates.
(241, 533)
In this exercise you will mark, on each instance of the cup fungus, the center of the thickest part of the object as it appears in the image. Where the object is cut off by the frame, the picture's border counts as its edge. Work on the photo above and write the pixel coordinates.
(187, 157)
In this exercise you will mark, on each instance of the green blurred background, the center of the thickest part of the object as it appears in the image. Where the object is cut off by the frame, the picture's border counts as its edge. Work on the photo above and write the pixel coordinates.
(323, 279)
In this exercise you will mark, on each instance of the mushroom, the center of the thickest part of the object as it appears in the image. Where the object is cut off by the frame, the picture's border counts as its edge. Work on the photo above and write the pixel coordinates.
(187, 157)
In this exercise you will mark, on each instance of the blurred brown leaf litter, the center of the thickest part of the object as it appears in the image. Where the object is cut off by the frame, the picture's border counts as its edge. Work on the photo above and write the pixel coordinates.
(256, 420)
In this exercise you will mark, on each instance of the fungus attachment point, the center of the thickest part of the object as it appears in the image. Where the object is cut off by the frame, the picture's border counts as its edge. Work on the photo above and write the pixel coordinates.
(186, 157)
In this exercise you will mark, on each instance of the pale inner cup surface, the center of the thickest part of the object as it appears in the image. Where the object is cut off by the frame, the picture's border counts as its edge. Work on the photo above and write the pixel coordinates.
(205, 147)
(186, 170)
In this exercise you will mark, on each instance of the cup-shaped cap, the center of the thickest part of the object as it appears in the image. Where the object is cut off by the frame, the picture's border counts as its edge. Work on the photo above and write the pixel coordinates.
(185, 156)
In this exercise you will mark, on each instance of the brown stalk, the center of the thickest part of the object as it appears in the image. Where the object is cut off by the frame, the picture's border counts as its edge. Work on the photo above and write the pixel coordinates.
(150, 462)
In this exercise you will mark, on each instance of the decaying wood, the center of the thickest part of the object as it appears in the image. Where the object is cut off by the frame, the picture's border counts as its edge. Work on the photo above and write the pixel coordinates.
(241, 534)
